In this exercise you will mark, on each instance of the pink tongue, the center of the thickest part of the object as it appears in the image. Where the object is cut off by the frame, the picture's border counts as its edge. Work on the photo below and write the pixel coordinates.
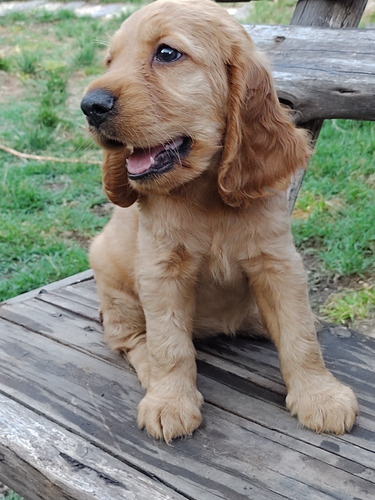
(140, 160)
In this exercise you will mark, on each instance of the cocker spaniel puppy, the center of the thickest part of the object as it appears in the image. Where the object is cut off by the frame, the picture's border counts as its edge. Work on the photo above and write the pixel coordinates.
(198, 153)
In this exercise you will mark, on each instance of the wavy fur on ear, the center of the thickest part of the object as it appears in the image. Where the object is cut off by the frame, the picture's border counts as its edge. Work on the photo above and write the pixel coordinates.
(262, 148)
(115, 179)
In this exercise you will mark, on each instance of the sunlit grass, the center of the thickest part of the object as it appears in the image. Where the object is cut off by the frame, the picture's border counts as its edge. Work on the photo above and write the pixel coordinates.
(47, 209)
(349, 305)
(10, 496)
(335, 210)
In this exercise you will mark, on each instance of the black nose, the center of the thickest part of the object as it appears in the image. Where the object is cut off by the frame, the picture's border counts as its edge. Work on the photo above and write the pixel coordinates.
(97, 105)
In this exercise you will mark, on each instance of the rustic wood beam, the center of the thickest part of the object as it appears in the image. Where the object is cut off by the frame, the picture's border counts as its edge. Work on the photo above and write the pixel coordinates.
(328, 13)
(321, 72)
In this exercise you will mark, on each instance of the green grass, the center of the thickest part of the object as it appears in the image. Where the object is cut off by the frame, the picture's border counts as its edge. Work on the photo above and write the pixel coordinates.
(10, 496)
(5, 64)
(48, 210)
(281, 11)
(334, 217)
(270, 12)
(28, 63)
(345, 307)
(335, 210)
(47, 214)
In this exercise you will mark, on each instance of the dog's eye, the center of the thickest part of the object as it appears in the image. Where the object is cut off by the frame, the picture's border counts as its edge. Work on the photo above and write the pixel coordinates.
(167, 54)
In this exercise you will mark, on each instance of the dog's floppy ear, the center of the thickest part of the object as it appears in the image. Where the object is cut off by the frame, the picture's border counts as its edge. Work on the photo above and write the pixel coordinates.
(262, 147)
(115, 178)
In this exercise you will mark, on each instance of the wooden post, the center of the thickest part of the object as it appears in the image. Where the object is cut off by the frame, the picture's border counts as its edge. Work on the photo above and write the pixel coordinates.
(330, 14)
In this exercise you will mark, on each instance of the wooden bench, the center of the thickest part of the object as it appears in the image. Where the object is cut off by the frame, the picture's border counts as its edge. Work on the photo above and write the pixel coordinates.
(68, 411)
(68, 405)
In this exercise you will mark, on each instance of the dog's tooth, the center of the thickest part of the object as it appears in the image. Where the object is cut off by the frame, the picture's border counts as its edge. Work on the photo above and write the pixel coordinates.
(152, 160)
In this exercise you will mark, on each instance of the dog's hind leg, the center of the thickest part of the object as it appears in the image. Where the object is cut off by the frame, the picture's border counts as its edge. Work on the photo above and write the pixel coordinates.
(122, 314)
(125, 328)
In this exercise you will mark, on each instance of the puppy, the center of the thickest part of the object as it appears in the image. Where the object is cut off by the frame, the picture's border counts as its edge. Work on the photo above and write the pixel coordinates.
(198, 153)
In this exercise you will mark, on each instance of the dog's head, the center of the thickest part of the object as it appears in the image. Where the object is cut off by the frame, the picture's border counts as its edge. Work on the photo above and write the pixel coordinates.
(186, 91)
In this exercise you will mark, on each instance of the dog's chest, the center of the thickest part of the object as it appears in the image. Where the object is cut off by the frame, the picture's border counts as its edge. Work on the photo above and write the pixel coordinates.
(223, 259)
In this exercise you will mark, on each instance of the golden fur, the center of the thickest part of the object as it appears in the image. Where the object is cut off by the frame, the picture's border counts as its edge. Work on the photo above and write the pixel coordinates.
(205, 247)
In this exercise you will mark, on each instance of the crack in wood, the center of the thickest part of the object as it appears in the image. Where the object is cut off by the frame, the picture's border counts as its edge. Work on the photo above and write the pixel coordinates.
(80, 466)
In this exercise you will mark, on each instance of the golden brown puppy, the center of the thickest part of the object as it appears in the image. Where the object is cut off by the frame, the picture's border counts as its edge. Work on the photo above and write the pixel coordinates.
(198, 149)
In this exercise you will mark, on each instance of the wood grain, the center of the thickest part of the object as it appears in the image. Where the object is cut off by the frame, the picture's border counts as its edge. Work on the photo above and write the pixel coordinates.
(47, 461)
(321, 72)
(332, 13)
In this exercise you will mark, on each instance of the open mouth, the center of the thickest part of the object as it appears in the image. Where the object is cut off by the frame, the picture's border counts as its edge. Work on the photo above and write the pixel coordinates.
(143, 163)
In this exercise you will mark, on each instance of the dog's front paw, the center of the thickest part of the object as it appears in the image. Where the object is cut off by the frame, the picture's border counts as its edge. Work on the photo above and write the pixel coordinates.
(324, 405)
(167, 418)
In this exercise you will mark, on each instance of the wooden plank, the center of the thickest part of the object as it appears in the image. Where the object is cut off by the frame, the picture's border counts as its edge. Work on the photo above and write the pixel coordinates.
(337, 13)
(57, 464)
(88, 286)
(99, 403)
(63, 326)
(223, 447)
(254, 361)
(76, 278)
(351, 359)
(71, 302)
(353, 455)
(321, 72)
(257, 362)
(80, 295)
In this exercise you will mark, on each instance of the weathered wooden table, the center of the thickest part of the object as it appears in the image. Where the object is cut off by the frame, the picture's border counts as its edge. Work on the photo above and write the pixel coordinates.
(68, 411)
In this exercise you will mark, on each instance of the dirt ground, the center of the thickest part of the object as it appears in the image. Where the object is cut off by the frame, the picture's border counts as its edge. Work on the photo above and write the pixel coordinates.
(322, 285)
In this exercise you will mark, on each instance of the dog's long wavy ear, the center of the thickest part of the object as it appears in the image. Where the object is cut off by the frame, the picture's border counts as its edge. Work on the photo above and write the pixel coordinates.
(115, 179)
(262, 147)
